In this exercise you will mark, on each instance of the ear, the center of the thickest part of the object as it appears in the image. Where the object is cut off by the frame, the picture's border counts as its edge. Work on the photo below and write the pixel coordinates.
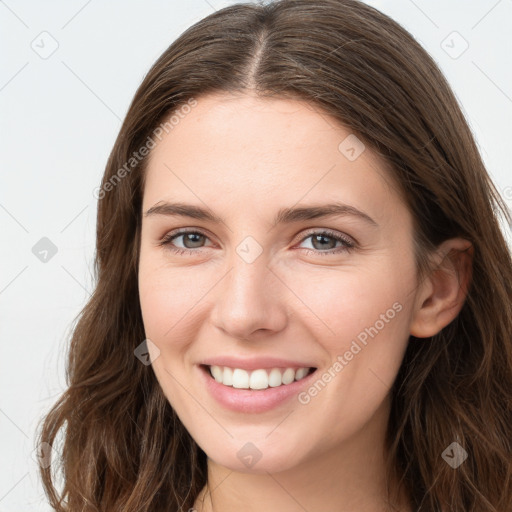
(442, 294)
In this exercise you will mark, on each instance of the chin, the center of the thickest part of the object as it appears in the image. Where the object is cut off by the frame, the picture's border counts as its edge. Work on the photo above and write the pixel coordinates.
(255, 457)
(274, 463)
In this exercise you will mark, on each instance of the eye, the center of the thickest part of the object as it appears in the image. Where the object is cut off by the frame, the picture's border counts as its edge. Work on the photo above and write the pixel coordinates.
(192, 241)
(320, 242)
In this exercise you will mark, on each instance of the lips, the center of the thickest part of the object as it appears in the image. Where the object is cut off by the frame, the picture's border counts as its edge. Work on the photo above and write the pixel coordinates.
(260, 400)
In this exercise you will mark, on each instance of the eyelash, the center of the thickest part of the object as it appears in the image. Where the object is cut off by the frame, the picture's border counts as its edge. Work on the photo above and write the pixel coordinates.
(349, 245)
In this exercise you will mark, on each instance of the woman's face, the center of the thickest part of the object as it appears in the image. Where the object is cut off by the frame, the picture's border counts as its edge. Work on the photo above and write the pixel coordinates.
(251, 276)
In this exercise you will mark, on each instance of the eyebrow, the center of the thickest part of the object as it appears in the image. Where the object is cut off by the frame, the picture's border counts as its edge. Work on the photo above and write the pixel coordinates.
(283, 216)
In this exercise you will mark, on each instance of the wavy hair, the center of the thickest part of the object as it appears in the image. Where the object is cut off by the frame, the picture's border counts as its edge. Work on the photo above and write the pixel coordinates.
(123, 447)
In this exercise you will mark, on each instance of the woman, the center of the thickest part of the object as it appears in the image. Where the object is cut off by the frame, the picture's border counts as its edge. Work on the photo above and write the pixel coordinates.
(340, 336)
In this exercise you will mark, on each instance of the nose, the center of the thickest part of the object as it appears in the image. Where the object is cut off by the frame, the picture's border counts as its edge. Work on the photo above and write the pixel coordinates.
(251, 300)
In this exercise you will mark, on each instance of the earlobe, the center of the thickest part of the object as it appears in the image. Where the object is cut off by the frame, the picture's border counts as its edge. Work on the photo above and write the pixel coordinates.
(443, 293)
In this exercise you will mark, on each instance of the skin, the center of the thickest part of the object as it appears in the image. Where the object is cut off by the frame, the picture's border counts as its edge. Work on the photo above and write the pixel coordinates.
(244, 158)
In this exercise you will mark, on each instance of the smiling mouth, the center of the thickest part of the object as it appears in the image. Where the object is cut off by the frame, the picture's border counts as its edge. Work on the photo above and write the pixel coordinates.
(259, 379)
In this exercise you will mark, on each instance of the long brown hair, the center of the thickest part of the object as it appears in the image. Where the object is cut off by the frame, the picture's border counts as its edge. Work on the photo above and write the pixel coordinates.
(124, 448)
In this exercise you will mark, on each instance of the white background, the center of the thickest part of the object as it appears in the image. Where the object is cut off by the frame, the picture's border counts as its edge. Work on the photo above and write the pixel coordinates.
(59, 120)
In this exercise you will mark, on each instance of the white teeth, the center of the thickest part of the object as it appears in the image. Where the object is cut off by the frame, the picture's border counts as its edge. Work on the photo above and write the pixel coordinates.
(257, 379)
(300, 373)
(216, 373)
(274, 378)
(240, 379)
(227, 376)
(288, 376)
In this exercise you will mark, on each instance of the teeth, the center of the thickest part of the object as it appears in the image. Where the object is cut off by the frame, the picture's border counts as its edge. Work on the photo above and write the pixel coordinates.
(288, 376)
(300, 373)
(240, 379)
(274, 378)
(257, 379)
(227, 376)
(216, 372)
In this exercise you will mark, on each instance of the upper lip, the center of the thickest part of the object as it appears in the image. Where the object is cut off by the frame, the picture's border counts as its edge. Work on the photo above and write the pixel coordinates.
(255, 363)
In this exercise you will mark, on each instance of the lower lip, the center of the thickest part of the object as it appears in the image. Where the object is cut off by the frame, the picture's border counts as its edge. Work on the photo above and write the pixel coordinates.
(252, 401)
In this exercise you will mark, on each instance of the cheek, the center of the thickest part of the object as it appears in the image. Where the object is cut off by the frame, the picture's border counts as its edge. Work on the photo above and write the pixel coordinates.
(158, 304)
(343, 302)
(167, 305)
(362, 322)
(362, 326)
(166, 296)
(175, 303)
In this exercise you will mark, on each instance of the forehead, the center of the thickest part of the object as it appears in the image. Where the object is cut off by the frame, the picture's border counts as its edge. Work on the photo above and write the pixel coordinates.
(250, 125)
(261, 152)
